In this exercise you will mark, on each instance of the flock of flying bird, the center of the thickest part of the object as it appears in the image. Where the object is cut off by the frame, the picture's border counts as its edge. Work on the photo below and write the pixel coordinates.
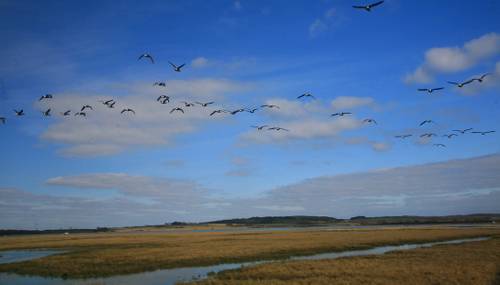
(164, 99)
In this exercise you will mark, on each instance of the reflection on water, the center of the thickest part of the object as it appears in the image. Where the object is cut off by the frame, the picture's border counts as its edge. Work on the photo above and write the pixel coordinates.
(171, 276)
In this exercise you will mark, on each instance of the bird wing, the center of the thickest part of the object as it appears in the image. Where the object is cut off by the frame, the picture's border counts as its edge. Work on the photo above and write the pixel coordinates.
(468, 81)
(375, 4)
(439, 88)
(454, 83)
(181, 66)
(173, 65)
(484, 75)
(359, 7)
(151, 58)
(141, 56)
(423, 89)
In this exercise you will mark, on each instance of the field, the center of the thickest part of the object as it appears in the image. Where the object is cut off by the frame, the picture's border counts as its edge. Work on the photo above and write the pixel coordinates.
(106, 254)
(471, 263)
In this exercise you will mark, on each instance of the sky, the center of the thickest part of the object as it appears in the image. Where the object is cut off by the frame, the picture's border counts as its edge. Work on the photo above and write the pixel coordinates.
(112, 169)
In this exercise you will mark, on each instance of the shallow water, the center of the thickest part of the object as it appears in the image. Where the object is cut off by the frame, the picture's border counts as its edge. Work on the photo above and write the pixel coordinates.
(23, 255)
(171, 276)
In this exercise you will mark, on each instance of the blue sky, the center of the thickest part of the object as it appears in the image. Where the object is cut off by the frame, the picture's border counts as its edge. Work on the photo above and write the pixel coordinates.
(239, 54)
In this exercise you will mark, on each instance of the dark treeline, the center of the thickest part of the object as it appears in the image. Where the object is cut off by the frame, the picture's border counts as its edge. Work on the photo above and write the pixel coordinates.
(58, 231)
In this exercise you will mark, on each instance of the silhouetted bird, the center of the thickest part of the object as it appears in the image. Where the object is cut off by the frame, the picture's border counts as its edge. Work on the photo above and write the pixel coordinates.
(177, 68)
(278, 129)
(205, 104)
(19, 113)
(260, 127)
(428, 135)
(161, 84)
(67, 113)
(306, 95)
(370, 121)
(450, 135)
(218, 112)
(46, 96)
(112, 105)
(439, 145)
(187, 104)
(177, 109)
(483, 133)
(86, 107)
(461, 84)
(237, 111)
(341, 114)
(251, 110)
(426, 122)
(3, 120)
(369, 7)
(81, 114)
(163, 97)
(430, 90)
(481, 78)
(146, 55)
(127, 110)
(463, 131)
(46, 113)
(270, 106)
(403, 136)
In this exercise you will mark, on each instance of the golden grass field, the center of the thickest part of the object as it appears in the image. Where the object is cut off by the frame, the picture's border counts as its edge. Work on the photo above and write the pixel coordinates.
(106, 254)
(472, 263)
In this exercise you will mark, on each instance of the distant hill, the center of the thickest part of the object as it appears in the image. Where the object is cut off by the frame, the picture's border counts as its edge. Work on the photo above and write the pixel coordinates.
(359, 220)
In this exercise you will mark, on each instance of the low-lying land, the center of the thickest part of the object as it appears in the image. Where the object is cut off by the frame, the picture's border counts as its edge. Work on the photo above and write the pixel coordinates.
(106, 254)
(470, 263)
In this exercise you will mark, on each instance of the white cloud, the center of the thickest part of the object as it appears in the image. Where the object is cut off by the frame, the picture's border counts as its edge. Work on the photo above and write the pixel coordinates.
(322, 24)
(350, 102)
(105, 131)
(455, 59)
(199, 62)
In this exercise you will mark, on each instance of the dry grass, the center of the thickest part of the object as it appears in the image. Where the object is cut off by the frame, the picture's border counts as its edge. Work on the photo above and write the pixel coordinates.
(470, 263)
(105, 254)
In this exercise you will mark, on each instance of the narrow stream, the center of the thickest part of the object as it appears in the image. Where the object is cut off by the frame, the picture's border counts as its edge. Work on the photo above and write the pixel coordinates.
(171, 276)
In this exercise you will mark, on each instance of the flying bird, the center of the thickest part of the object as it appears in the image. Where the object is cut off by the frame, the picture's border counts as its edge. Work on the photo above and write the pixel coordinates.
(439, 145)
(146, 55)
(428, 135)
(107, 102)
(127, 110)
(218, 112)
(368, 7)
(341, 114)
(463, 131)
(426, 122)
(205, 104)
(251, 110)
(46, 113)
(177, 109)
(161, 84)
(67, 113)
(430, 90)
(306, 95)
(177, 68)
(237, 111)
(450, 135)
(278, 129)
(187, 104)
(370, 121)
(481, 78)
(403, 136)
(86, 107)
(461, 84)
(112, 105)
(3, 120)
(164, 98)
(19, 113)
(260, 127)
(81, 114)
(270, 106)
(46, 96)
(483, 133)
